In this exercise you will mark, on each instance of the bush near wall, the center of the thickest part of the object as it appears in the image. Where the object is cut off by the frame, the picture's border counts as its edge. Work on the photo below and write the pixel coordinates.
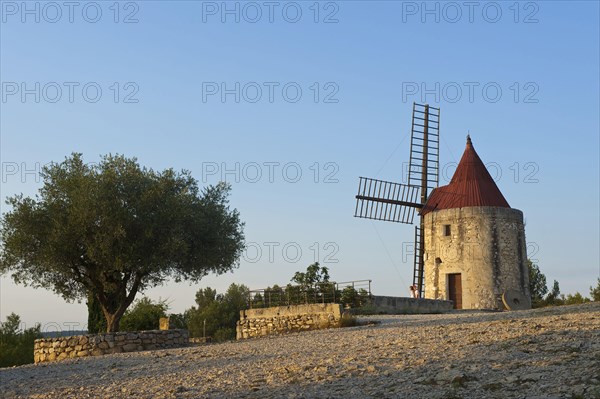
(16, 345)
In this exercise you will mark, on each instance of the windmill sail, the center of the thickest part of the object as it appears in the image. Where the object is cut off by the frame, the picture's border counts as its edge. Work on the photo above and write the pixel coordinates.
(383, 200)
(395, 202)
(423, 167)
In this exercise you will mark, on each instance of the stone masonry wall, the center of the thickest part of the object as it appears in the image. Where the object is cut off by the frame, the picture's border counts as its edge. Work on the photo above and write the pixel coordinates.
(285, 319)
(51, 349)
(486, 246)
(400, 305)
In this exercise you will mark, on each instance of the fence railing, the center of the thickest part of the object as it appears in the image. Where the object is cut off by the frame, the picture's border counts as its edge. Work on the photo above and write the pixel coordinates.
(353, 293)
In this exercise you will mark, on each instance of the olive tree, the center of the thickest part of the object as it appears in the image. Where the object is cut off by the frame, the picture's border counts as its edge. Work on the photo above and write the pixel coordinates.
(113, 229)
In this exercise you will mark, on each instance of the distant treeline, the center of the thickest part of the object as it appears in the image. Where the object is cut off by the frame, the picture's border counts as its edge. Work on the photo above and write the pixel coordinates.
(541, 296)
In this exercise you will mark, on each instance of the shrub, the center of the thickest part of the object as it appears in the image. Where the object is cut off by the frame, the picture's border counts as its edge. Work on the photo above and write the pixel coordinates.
(219, 312)
(144, 315)
(575, 299)
(350, 297)
(595, 292)
(16, 345)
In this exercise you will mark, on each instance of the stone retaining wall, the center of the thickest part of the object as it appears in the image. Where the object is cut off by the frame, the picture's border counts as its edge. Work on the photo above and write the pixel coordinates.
(51, 349)
(399, 305)
(285, 319)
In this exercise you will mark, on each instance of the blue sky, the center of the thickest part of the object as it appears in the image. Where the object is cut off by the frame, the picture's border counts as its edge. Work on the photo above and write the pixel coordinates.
(291, 105)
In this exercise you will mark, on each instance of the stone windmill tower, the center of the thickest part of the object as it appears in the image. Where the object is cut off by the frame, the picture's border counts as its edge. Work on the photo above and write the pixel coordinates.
(475, 251)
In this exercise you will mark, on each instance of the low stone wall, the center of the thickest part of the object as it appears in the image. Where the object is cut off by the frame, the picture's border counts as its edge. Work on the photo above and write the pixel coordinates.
(286, 319)
(51, 349)
(398, 305)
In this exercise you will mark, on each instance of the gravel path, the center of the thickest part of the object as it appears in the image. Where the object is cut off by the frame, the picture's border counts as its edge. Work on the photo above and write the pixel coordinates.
(543, 353)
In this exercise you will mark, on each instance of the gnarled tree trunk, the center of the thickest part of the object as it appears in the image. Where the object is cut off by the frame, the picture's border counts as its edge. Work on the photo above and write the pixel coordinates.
(115, 303)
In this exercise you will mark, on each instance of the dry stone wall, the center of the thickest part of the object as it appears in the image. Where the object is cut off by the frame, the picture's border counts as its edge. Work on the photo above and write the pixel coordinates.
(286, 319)
(51, 349)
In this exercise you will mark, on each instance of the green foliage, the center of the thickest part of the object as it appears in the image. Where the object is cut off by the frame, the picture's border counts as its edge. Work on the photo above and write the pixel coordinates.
(221, 312)
(144, 315)
(364, 297)
(354, 299)
(16, 345)
(349, 296)
(205, 297)
(275, 296)
(114, 228)
(595, 292)
(553, 297)
(96, 319)
(537, 284)
(224, 334)
(575, 299)
(314, 275)
(177, 321)
(312, 286)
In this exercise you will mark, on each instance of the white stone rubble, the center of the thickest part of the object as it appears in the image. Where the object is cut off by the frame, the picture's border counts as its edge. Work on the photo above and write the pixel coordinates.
(542, 353)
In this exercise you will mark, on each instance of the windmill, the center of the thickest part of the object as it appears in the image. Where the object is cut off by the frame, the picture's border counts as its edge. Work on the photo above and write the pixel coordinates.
(396, 202)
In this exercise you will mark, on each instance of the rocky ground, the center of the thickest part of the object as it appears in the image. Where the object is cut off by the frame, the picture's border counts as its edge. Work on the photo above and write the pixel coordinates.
(543, 353)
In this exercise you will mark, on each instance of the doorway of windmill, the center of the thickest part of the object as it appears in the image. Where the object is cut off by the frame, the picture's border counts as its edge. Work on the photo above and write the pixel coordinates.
(455, 290)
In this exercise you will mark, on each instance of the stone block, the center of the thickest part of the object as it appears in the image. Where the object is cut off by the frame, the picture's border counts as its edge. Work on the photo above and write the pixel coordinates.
(97, 352)
(97, 339)
(163, 323)
(129, 347)
(83, 353)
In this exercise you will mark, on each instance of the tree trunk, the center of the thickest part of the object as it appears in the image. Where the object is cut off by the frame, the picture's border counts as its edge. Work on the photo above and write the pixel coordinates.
(114, 315)
(115, 302)
(112, 323)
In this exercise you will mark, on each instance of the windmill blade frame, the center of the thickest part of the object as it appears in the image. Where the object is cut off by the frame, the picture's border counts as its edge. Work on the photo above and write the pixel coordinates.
(396, 202)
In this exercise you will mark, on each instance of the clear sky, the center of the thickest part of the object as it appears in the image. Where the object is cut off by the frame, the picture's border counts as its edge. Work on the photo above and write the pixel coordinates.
(292, 101)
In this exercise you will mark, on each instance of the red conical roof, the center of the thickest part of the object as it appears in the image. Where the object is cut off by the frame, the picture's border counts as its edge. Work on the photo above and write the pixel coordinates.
(471, 185)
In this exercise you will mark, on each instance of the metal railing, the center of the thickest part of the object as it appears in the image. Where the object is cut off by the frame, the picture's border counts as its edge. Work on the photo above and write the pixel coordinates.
(351, 293)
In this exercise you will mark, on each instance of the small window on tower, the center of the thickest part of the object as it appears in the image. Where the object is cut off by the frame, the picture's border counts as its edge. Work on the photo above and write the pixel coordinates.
(447, 230)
